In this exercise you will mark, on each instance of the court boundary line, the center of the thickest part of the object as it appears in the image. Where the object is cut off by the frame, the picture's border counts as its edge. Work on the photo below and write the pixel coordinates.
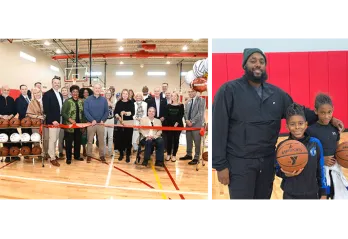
(102, 186)
(164, 196)
(156, 177)
(131, 175)
(173, 181)
(8, 164)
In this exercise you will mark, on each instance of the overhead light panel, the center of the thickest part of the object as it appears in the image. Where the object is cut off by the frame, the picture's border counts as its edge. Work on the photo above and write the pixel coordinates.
(121, 48)
(142, 65)
(121, 63)
(120, 39)
(195, 39)
(47, 43)
(168, 62)
(27, 57)
(53, 68)
(185, 48)
(58, 51)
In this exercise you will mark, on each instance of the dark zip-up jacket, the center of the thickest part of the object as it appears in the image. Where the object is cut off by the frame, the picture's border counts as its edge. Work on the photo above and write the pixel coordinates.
(246, 126)
(312, 178)
(7, 106)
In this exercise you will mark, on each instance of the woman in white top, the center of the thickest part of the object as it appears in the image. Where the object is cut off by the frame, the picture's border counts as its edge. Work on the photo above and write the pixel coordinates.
(140, 112)
(109, 131)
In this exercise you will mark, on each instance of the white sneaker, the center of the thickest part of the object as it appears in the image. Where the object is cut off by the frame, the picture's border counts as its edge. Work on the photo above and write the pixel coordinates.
(168, 157)
(173, 158)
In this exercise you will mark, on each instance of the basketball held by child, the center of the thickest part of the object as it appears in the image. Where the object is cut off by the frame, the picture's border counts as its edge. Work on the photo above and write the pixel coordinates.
(342, 154)
(292, 155)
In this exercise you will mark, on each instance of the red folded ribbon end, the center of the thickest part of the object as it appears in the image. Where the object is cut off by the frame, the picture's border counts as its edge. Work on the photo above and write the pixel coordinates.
(202, 131)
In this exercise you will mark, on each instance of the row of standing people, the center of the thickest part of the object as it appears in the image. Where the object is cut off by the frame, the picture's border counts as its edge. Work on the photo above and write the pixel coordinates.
(168, 110)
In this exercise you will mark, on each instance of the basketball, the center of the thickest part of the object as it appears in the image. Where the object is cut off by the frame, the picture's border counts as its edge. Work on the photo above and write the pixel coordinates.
(199, 68)
(25, 150)
(14, 151)
(342, 154)
(3, 151)
(4, 123)
(26, 122)
(14, 122)
(292, 155)
(205, 156)
(36, 122)
(36, 150)
(199, 84)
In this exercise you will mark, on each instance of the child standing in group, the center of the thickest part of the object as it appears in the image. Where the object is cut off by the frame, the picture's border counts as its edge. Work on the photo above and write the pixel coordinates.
(329, 137)
(304, 183)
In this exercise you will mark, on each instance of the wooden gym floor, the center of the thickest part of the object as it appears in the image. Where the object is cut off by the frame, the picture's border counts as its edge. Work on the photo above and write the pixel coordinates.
(221, 192)
(27, 179)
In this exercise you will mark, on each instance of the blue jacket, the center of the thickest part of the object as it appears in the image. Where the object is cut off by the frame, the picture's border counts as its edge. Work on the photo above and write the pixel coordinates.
(312, 179)
(96, 109)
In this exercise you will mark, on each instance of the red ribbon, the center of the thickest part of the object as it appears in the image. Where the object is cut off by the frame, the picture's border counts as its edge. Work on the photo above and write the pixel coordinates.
(165, 128)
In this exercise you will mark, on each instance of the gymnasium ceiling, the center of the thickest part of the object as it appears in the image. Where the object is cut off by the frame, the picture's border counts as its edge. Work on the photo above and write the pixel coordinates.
(134, 52)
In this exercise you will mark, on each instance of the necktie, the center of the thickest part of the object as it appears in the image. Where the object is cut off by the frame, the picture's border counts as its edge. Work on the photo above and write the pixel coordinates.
(190, 110)
(26, 98)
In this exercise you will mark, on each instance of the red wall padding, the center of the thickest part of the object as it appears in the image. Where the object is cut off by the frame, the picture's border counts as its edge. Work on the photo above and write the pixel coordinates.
(338, 83)
(219, 71)
(301, 74)
(15, 93)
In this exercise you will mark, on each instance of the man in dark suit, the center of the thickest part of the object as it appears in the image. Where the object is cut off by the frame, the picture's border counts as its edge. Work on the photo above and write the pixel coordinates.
(22, 103)
(160, 104)
(52, 105)
(164, 90)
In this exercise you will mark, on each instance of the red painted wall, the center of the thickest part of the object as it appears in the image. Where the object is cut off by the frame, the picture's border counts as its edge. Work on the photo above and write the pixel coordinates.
(301, 74)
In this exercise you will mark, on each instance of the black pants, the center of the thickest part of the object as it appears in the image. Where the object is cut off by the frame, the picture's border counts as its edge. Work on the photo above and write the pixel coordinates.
(165, 140)
(332, 187)
(159, 145)
(71, 138)
(310, 196)
(173, 142)
(124, 140)
(251, 178)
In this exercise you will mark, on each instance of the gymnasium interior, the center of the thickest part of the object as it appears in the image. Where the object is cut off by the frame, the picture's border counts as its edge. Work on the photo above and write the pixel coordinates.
(119, 63)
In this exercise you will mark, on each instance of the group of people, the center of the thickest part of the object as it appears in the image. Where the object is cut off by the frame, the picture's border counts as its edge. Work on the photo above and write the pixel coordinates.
(71, 105)
(247, 115)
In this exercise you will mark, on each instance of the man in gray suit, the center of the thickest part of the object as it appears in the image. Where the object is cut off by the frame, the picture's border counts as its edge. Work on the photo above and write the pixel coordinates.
(194, 117)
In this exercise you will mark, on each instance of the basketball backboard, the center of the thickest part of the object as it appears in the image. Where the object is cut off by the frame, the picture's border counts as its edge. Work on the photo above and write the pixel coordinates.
(75, 74)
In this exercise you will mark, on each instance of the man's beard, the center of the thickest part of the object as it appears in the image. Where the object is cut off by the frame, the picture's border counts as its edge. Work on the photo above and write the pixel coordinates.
(249, 74)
